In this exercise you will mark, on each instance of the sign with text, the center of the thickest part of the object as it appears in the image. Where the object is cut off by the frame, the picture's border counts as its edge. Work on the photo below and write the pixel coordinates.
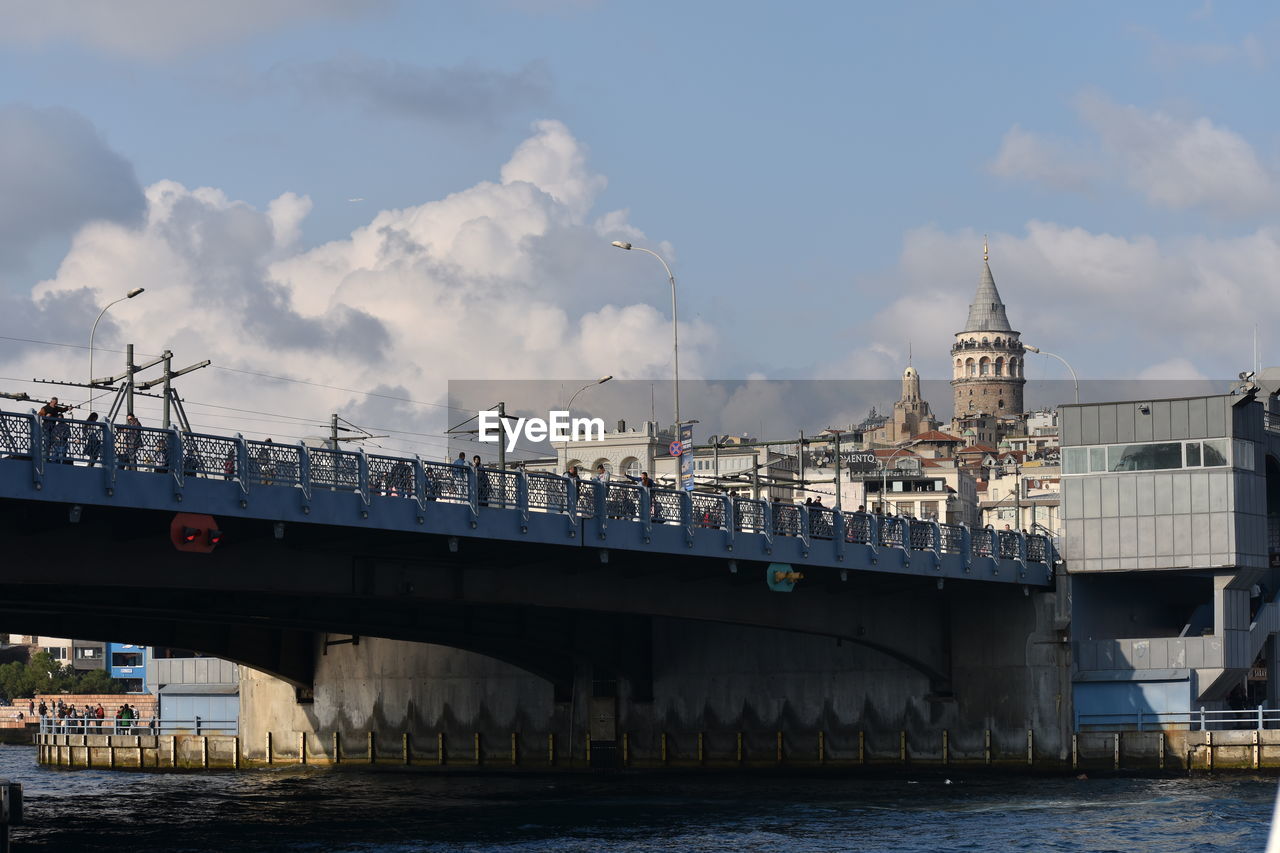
(686, 458)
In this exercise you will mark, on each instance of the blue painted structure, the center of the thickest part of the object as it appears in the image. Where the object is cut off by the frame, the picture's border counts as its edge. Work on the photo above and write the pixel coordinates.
(127, 661)
(81, 463)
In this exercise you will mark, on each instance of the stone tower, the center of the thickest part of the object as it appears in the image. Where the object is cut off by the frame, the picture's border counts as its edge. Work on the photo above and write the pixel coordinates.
(987, 356)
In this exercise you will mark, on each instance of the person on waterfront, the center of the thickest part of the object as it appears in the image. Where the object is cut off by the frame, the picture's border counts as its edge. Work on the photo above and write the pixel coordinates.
(460, 475)
(127, 715)
(44, 709)
(131, 442)
(263, 460)
(92, 439)
(55, 429)
(101, 714)
(482, 481)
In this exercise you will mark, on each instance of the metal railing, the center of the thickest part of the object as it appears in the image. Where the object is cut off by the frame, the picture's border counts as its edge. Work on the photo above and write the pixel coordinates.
(255, 464)
(1200, 720)
(152, 726)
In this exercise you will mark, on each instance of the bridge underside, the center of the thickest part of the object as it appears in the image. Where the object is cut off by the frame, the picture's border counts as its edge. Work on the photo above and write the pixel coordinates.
(266, 593)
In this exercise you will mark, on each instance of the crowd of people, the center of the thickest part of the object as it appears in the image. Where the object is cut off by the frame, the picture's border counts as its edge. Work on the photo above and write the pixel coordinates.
(62, 718)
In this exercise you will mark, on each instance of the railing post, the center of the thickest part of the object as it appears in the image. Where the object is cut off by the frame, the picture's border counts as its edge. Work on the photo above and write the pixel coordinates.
(936, 530)
(108, 457)
(419, 483)
(1259, 718)
(600, 496)
(838, 522)
(766, 521)
(37, 451)
(242, 463)
(571, 504)
(646, 514)
(304, 473)
(177, 460)
(522, 499)
(1202, 728)
(729, 518)
(473, 496)
(686, 515)
(362, 482)
(803, 514)
(966, 547)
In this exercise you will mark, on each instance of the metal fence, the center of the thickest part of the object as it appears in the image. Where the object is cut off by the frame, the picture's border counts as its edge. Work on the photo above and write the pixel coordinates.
(50, 725)
(265, 463)
(1200, 720)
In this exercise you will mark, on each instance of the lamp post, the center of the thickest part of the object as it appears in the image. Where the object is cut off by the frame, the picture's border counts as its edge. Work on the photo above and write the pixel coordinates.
(600, 381)
(94, 330)
(675, 336)
(884, 474)
(1074, 380)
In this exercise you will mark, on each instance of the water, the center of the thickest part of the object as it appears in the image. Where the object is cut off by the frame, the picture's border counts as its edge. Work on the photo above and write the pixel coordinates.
(349, 809)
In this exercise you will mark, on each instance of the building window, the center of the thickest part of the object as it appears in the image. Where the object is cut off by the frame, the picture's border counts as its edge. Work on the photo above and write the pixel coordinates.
(126, 659)
(984, 367)
(88, 653)
(57, 652)
(631, 467)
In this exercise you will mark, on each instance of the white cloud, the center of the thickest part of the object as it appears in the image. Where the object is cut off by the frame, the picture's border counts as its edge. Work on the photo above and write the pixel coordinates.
(1181, 163)
(501, 280)
(160, 29)
(1035, 157)
(1172, 162)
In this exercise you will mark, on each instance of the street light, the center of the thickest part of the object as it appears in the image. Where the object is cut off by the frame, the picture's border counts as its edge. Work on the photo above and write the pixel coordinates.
(600, 381)
(94, 330)
(675, 338)
(1074, 380)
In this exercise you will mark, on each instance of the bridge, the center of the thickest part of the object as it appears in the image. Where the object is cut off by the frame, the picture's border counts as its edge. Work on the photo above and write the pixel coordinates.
(272, 554)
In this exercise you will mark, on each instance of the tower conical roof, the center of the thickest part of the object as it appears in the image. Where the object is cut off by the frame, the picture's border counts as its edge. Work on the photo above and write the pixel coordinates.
(986, 312)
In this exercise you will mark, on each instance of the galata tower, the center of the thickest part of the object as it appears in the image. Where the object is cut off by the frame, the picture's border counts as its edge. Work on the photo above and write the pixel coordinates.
(987, 356)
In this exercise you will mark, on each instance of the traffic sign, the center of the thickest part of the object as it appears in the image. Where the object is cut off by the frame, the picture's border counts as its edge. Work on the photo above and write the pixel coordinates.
(676, 448)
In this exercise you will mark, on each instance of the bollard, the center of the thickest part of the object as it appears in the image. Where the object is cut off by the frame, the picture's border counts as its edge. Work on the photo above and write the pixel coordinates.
(699, 748)
(406, 749)
(1116, 747)
(515, 749)
(862, 747)
(1162, 750)
(373, 756)
(476, 738)
(946, 748)
(663, 744)
(302, 747)
(1031, 747)
(268, 747)
(779, 747)
(440, 756)
(337, 748)
(1075, 751)
(551, 747)
(822, 747)
(902, 746)
(739, 747)
(204, 751)
(986, 746)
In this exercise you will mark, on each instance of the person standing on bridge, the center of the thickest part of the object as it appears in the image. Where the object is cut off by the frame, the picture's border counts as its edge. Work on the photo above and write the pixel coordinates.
(482, 481)
(92, 439)
(132, 442)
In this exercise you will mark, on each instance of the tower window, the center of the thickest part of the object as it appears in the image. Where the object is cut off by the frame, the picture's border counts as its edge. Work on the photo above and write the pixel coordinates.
(1002, 404)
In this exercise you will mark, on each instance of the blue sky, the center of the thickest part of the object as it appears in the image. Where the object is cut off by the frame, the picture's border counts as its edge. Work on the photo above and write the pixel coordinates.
(820, 174)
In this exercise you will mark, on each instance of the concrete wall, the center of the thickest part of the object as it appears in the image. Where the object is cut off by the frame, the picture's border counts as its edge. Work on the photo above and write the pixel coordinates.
(719, 692)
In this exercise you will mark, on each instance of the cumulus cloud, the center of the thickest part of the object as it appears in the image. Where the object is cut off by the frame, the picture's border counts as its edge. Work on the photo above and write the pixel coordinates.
(56, 174)
(1172, 162)
(161, 29)
(476, 285)
(1179, 163)
(461, 94)
(1036, 157)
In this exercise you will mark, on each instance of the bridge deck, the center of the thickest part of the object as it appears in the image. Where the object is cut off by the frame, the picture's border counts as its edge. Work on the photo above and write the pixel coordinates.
(80, 463)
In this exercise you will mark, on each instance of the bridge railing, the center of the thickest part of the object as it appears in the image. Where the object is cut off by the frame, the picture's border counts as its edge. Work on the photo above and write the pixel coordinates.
(340, 469)
(50, 725)
(749, 515)
(264, 463)
(548, 493)
(271, 464)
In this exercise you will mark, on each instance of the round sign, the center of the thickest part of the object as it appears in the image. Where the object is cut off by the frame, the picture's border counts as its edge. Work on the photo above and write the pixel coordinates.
(676, 448)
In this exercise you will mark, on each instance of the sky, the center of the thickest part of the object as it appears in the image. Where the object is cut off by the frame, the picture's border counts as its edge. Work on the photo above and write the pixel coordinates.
(370, 199)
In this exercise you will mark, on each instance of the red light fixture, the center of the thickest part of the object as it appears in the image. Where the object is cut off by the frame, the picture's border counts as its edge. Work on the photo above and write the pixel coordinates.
(190, 534)
(215, 536)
